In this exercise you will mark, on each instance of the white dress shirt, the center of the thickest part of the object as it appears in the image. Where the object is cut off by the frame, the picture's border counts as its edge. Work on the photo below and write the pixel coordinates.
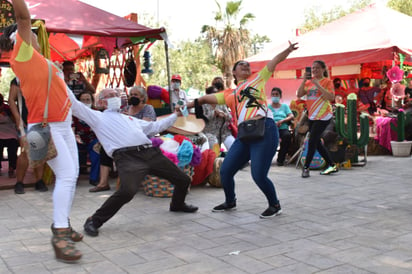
(115, 130)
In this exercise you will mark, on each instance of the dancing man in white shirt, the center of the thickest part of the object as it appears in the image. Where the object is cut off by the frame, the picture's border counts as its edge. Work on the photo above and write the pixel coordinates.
(125, 139)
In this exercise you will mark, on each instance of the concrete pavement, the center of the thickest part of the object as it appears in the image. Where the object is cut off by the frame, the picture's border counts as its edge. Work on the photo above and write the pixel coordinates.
(355, 221)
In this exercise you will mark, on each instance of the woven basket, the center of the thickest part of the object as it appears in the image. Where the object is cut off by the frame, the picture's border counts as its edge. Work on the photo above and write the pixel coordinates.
(158, 187)
(214, 178)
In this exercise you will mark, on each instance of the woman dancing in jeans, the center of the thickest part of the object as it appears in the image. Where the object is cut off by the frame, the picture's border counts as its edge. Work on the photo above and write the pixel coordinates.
(260, 152)
(320, 92)
(33, 71)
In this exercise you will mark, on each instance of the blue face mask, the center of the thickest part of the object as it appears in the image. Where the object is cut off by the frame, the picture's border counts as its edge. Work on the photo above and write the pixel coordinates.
(275, 100)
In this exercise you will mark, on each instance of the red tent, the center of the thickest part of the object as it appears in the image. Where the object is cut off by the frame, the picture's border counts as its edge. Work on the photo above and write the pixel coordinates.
(76, 27)
(373, 34)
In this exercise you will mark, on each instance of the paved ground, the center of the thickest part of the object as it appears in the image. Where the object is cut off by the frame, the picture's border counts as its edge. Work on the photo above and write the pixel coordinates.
(356, 221)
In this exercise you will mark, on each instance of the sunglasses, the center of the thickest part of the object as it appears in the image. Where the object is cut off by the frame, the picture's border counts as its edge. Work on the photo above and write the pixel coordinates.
(243, 63)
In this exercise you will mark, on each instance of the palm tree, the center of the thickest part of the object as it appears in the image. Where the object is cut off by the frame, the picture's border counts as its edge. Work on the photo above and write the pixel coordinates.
(231, 42)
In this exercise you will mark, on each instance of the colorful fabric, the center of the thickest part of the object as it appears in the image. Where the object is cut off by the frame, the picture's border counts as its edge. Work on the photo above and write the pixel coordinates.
(318, 107)
(196, 157)
(185, 153)
(256, 81)
(32, 70)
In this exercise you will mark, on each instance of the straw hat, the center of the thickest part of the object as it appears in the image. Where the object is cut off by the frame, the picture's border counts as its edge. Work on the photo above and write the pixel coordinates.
(188, 125)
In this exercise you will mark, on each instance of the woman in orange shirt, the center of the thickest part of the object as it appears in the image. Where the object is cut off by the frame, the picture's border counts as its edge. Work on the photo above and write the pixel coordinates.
(33, 71)
(320, 94)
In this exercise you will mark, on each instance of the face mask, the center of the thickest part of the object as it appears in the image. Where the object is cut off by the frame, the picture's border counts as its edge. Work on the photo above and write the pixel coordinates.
(134, 101)
(365, 84)
(337, 85)
(114, 103)
(175, 85)
(88, 105)
(275, 100)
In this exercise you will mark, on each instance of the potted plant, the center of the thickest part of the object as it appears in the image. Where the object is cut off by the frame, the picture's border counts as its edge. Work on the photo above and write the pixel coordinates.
(401, 147)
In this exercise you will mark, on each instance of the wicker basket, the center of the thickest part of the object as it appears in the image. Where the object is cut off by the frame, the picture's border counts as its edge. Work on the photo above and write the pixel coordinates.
(158, 187)
(214, 178)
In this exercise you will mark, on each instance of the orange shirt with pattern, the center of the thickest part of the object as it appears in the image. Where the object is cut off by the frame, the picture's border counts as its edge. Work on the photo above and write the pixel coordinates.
(32, 70)
(318, 107)
(256, 81)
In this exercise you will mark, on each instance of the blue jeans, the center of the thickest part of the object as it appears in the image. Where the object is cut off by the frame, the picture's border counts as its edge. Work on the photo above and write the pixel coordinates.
(260, 153)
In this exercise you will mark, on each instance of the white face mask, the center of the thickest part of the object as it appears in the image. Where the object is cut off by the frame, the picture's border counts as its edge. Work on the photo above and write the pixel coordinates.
(175, 85)
(87, 105)
(114, 103)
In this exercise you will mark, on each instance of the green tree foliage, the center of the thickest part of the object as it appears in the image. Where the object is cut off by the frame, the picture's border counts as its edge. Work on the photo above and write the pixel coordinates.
(314, 19)
(6, 76)
(229, 38)
(257, 43)
(404, 6)
(192, 61)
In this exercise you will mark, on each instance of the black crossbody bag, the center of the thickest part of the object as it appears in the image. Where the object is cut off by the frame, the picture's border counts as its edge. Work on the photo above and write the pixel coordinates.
(253, 129)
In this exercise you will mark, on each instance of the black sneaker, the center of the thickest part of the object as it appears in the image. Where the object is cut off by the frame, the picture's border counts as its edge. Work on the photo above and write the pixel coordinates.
(19, 188)
(225, 206)
(40, 186)
(305, 173)
(271, 211)
(281, 163)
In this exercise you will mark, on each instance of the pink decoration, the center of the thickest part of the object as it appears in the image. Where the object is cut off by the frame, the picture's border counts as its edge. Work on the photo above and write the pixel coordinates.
(398, 90)
(172, 157)
(395, 74)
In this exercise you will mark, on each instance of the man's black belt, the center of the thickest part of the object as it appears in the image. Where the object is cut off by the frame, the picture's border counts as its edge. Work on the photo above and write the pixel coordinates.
(133, 148)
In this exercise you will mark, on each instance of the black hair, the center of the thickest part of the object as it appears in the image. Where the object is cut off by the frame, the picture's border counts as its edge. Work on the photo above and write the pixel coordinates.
(278, 90)
(211, 90)
(323, 65)
(6, 44)
(219, 83)
(68, 63)
(234, 68)
(85, 92)
(337, 79)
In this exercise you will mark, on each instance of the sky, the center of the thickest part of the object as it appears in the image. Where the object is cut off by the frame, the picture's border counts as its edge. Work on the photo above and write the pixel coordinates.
(183, 19)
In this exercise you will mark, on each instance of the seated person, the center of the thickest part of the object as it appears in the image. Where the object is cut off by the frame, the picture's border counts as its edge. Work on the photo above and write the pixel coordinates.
(86, 140)
(217, 121)
(339, 91)
(76, 81)
(283, 116)
(8, 137)
(137, 106)
(366, 96)
(177, 94)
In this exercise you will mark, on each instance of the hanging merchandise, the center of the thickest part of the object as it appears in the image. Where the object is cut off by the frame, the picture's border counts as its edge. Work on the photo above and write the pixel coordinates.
(102, 61)
(130, 70)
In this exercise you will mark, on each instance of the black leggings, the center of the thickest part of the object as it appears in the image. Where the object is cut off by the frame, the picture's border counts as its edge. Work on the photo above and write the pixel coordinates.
(316, 128)
(12, 146)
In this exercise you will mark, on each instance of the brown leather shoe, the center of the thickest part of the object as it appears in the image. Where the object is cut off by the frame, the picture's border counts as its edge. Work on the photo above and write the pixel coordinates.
(99, 188)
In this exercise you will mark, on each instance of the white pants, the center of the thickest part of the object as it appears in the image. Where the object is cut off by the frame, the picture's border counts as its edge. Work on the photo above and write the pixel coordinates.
(66, 169)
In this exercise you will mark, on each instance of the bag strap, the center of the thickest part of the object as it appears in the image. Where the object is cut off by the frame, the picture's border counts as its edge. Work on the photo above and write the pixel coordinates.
(20, 103)
(259, 105)
(46, 107)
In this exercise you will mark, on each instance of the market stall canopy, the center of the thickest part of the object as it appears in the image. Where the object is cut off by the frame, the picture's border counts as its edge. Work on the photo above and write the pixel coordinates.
(373, 34)
(76, 27)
